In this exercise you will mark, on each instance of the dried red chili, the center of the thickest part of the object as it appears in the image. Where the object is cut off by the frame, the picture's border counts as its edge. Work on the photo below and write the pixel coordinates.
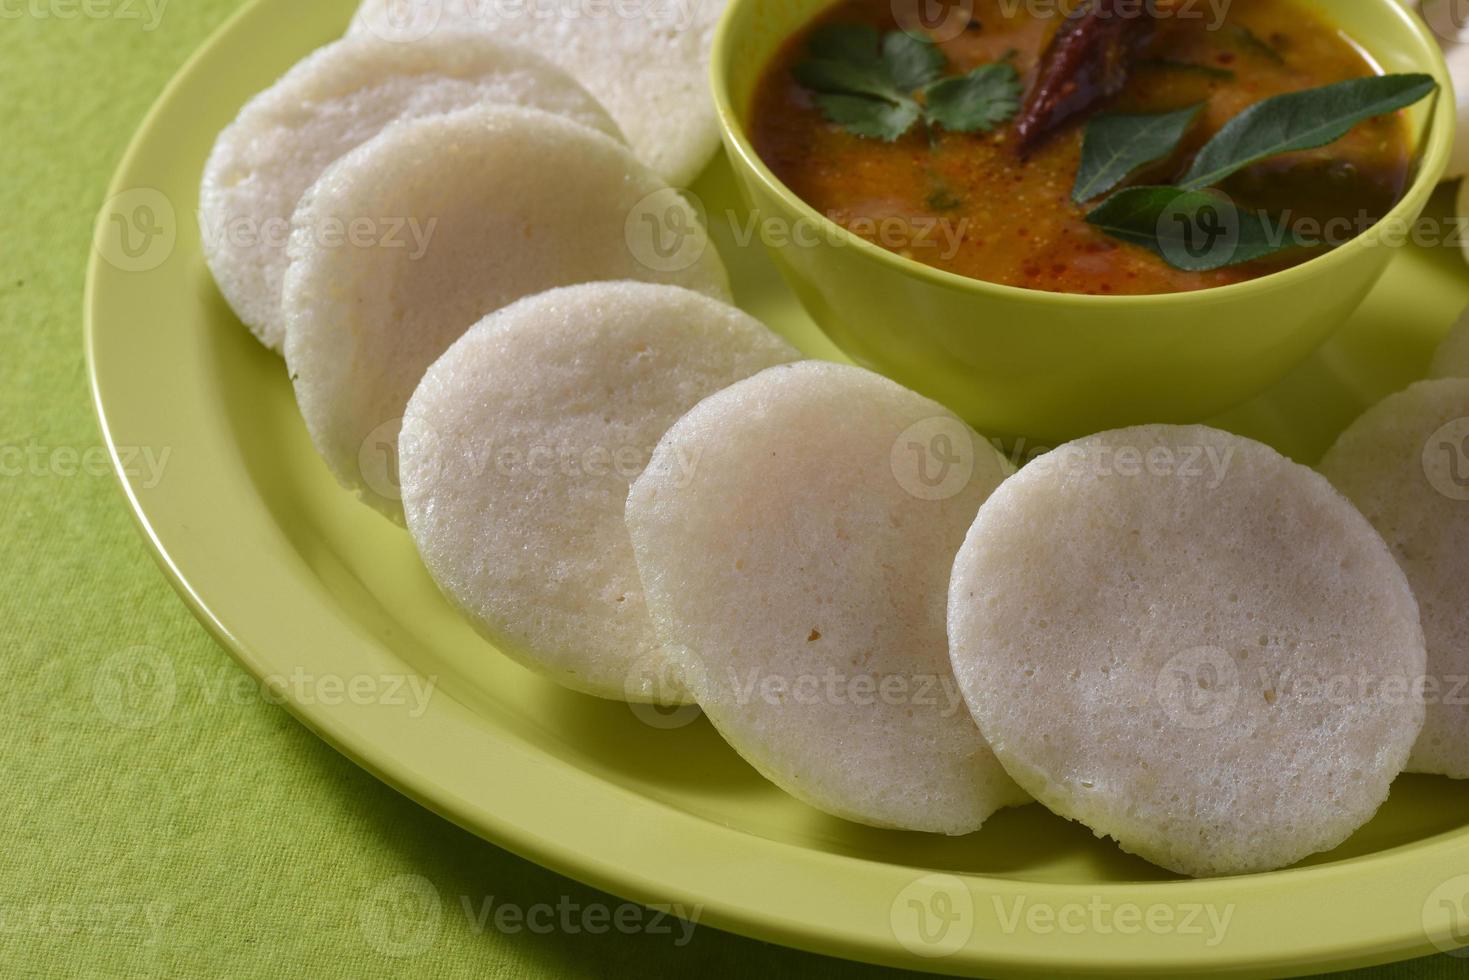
(1086, 63)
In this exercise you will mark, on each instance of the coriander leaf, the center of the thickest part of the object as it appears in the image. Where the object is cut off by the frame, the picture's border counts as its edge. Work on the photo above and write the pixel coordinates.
(1192, 230)
(853, 43)
(873, 118)
(1301, 121)
(1115, 145)
(978, 101)
(911, 62)
(846, 78)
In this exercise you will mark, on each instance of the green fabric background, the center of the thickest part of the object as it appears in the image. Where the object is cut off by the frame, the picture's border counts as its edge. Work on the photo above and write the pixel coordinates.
(224, 840)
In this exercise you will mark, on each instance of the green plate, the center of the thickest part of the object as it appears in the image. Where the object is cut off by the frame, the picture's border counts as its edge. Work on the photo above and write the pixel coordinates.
(322, 598)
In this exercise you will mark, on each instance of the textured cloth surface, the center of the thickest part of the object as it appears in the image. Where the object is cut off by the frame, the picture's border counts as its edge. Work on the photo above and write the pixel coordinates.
(219, 837)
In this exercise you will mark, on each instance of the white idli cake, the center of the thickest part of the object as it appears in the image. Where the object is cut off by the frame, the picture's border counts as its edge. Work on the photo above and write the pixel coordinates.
(332, 101)
(518, 450)
(1188, 643)
(1405, 464)
(1451, 360)
(508, 203)
(794, 534)
(648, 61)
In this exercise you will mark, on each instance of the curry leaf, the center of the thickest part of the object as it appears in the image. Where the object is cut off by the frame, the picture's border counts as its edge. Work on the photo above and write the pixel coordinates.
(911, 62)
(978, 101)
(1115, 145)
(872, 118)
(1192, 230)
(1301, 121)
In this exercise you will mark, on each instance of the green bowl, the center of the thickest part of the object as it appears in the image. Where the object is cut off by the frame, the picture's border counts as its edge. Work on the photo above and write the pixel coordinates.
(1048, 366)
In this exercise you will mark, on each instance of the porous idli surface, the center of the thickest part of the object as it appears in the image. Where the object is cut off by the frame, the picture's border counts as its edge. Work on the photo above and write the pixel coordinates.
(332, 101)
(518, 450)
(647, 60)
(794, 534)
(1451, 360)
(1188, 643)
(509, 202)
(1405, 464)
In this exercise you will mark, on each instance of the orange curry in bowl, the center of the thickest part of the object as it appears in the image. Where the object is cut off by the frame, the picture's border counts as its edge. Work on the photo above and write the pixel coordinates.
(997, 204)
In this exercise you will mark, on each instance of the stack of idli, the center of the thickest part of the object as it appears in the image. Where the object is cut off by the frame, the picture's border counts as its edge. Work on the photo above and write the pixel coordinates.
(647, 60)
(519, 201)
(1172, 635)
(393, 189)
(333, 101)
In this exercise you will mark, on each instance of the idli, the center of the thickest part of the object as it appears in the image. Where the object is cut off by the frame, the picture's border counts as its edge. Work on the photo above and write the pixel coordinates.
(647, 60)
(1451, 360)
(1191, 644)
(511, 202)
(1405, 464)
(794, 534)
(332, 101)
(517, 452)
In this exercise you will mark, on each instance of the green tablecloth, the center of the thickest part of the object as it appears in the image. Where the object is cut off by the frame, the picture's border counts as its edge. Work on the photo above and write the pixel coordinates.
(218, 838)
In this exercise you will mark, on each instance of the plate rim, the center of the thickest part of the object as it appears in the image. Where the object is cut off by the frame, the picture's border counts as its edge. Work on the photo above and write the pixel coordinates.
(710, 869)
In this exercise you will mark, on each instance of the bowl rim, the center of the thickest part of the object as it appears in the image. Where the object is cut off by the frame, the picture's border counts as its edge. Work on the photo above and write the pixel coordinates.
(1434, 161)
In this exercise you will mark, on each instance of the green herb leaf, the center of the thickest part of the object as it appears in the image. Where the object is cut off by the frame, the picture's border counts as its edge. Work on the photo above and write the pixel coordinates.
(1115, 145)
(1301, 121)
(871, 118)
(867, 84)
(854, 43)
(911, 62)
(1192, 230)
(976, 102)
(845, 78)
